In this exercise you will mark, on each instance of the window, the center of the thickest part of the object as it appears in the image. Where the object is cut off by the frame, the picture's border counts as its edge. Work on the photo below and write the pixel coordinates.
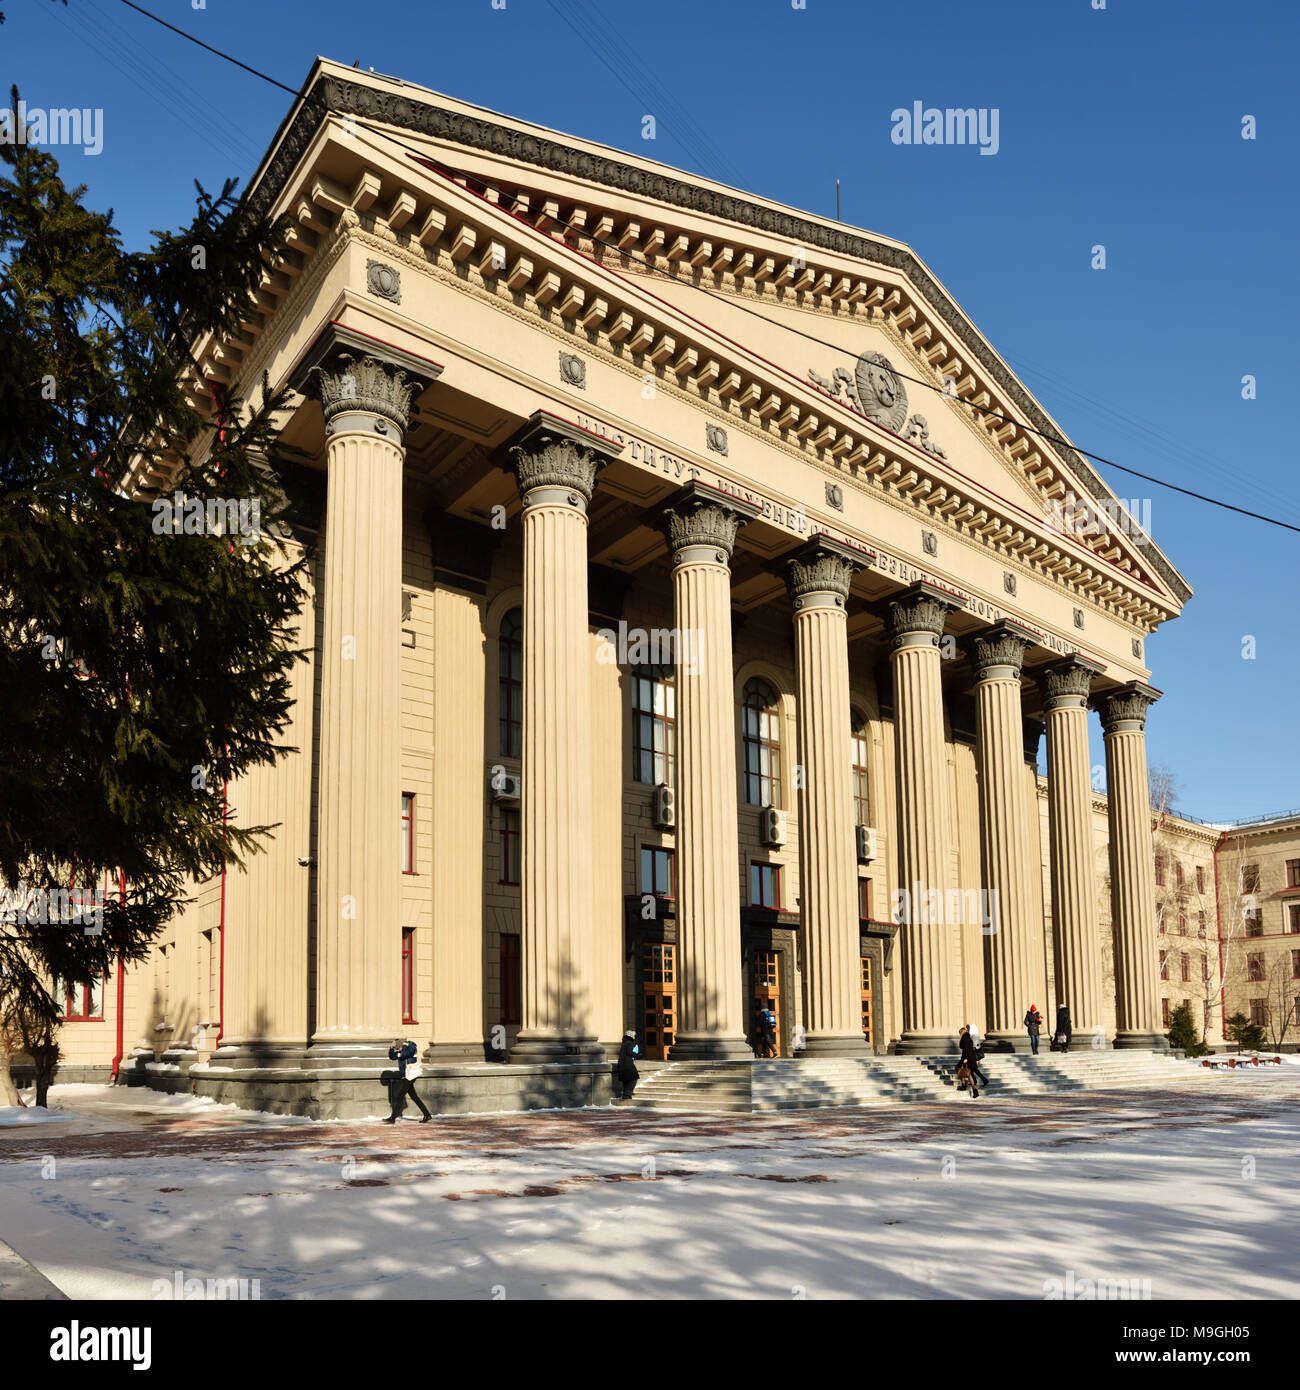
(861, 749)
(81, 1003)
(408, 833)
(408, 974)
(654, 725)
(1254, 926)
(1255, 967)
(658, 871)
(1164, 965)
(1160, 871)
(1186, 968)
(765, 885)
(761, 733)
(1295, 965)
(1296, 1016)
(1178, 874)
(1250, 878)
(1259, 1012)
(510, 847)
(1164, 1012)
(1293, 916)
(510, 683)
(1293, 873)
(864, 899)
(1182, 922)
(511, 979)
(1200, 878)
(1205, 970)
(1200, 924)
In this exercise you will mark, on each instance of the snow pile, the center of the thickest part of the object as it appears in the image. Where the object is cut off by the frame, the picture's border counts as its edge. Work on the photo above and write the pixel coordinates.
(28, 1115)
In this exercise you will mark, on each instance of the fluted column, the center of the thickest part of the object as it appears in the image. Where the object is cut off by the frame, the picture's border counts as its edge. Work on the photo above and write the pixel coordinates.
(1013, 954)
(819, 577)
(929, 1019)
(1132, 867)
(358, 912)
(1075, 946)
(701, 527)
(556, 475)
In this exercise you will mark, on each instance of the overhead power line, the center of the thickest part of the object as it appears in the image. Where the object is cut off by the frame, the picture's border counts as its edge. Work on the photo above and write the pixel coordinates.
(1044, 435)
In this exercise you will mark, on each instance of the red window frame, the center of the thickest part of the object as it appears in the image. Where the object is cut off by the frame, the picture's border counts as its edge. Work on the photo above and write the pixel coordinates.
(762, 876)
(82, 995)
(861, 776)
(408, 832)
(1259, 1013)
(1255, 967)
(1295, 965)
(511, 847)
(1178, 873)
(1164, 1012)
(1293, 916)
(1164, 965)
(408, 975)
(511, 978)
(1200, 878)
(864, 899)
(653, 857)
(1186, 967)
(1160, 871)
(510, 684)
(1293, 873)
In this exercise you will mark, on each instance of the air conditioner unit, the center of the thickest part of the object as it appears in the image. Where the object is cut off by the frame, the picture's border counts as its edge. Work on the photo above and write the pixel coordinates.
(665, 808)
(771, 826)
(505, 786)
(866, 844)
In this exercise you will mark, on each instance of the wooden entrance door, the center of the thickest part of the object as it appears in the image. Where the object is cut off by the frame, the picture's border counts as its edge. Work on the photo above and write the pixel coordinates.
(658, 997)
(767, 988)
(866, 1001)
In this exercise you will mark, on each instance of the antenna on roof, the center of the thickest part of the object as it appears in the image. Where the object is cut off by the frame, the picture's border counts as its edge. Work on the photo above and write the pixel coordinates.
(837, 200)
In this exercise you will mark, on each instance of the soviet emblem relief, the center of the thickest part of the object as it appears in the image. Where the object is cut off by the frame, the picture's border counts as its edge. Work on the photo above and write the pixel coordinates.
(573, 371)
(1078, 617)
(930, 542)
(918, 432)
(835, 496)
(1009, 582)
(873, 389)
(1137, 649)
(716, 438)
(384, 281)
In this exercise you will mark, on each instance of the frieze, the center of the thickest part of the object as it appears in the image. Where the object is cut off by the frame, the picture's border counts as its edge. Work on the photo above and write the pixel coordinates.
(332, 93)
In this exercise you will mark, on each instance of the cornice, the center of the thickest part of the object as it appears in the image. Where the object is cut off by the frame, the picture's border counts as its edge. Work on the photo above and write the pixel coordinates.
(412, 109)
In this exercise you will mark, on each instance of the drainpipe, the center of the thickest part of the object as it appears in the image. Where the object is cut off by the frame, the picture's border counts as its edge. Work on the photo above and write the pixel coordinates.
(221, 967)
(121, 986)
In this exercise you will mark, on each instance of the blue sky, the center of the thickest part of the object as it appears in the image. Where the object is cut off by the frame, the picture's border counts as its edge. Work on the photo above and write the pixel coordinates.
(1118, 126)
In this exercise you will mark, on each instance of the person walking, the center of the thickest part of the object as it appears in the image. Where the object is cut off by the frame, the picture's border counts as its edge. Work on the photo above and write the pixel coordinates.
(969, 1062)
(403, 1051)
(628, 1075)
(767, 1032)
(1063, 1032)
(977, 1043)
(1034, 1023)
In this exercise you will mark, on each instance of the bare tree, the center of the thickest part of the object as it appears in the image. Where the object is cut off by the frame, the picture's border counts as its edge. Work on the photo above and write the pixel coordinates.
(1283, 990)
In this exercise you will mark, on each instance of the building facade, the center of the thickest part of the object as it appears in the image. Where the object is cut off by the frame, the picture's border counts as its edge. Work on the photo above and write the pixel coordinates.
(698, 585)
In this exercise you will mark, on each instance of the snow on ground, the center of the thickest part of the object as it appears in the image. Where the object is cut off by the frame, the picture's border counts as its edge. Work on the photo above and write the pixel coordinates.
(1194, 1190)
(28, 1115)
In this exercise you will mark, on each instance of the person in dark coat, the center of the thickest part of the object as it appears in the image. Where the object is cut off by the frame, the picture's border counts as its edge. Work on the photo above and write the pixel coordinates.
(969, 1060)
(628, 1075)
(766, 1032)
(1061, 1037)
(403, 1052)
(972, 1033)
(1034, 1024)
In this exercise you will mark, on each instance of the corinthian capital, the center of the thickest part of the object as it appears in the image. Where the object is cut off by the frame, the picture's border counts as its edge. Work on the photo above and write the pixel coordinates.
(920, 612)
(1125, 709)
(1068, 681)
(702, 516)
(1001, 646)
(365, 384)
(823, 566)
(554, 461)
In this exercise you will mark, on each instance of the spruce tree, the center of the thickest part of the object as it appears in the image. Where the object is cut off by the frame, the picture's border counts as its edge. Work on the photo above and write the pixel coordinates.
(1182, 1031)
(140, 671)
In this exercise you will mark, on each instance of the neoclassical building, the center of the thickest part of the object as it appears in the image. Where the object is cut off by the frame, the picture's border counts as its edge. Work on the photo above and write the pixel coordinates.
(693, 587)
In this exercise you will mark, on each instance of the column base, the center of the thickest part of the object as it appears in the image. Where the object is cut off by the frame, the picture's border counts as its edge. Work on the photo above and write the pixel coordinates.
(247, 1056)
(835, 1045)
(926, 1044)
(1013, 1042)
(458, 1052)
(1141, 1042)
(333, 1055)
(555, 1047)
(709, 1047)
(1089, 1042)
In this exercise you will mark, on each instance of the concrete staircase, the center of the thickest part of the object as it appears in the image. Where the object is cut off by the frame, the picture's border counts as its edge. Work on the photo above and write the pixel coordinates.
(746, 1087)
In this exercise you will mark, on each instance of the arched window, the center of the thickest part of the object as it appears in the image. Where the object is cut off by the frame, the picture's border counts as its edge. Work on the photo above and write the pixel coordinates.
(861, 747)
(761, 738)
(654, 725)
(510, 683)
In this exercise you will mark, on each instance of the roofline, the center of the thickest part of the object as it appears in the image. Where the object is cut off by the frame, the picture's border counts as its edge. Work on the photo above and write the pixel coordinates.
(434, 115)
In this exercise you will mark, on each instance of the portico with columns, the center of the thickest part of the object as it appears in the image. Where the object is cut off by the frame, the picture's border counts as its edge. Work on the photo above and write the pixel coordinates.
(664, 667)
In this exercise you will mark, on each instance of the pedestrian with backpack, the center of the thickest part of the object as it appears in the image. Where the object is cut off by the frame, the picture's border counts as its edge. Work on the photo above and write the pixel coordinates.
(403, 1051)
(628, 1075)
